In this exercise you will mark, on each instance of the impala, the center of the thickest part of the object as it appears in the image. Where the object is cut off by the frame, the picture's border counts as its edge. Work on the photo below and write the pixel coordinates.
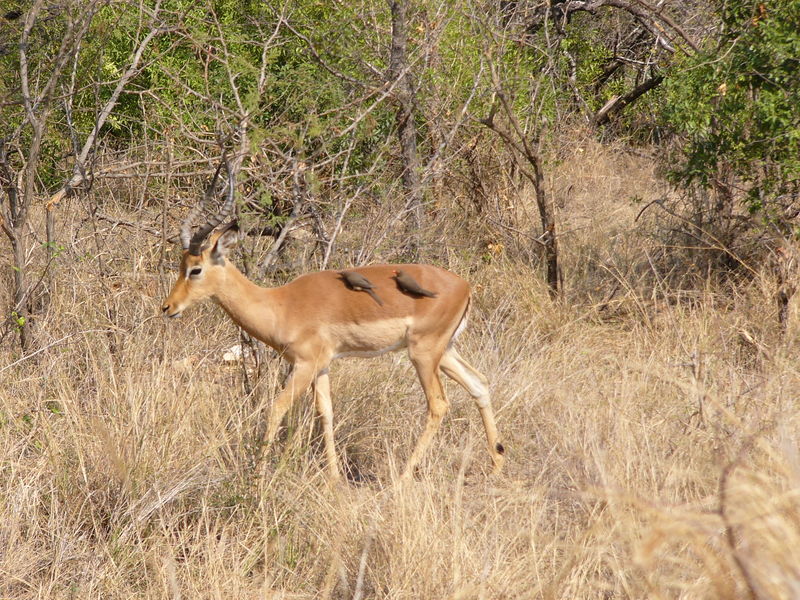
(316, 318)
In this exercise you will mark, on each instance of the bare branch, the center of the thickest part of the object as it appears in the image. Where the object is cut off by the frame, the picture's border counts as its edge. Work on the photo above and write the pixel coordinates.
(526, 146)
(651, 17)
(133, 69)
(320, 61)
(6, 230)
(120, 221)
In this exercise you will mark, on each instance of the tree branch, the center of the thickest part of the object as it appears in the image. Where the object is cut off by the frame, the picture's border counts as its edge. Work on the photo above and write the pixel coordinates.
(320, 61)
(79, 175)
(652, 18)
(617, 103)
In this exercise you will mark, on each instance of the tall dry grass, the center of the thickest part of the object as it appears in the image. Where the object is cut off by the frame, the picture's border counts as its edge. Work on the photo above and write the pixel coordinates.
(651, 442)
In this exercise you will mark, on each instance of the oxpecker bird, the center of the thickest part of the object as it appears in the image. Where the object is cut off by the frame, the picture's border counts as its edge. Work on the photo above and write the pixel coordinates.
(409, 285)
(359, 283)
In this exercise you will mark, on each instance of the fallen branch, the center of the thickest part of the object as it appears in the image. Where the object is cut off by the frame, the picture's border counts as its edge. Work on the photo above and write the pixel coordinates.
(617, 103)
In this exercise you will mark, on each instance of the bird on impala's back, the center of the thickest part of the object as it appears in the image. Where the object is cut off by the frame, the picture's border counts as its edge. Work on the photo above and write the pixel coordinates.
(408, 284)
(359, 283)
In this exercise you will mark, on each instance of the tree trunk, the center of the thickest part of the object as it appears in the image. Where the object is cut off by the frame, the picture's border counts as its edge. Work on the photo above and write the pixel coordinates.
(21, 313)
(406, 128)
(549, 239)
(19, 205)
(522, 144)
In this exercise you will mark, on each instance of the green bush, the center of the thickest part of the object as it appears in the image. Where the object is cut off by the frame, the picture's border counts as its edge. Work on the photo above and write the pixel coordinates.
(736, 104)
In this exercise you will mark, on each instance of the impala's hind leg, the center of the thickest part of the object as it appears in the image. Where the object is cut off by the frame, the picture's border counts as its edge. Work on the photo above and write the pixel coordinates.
(426, 362)
(476, 384)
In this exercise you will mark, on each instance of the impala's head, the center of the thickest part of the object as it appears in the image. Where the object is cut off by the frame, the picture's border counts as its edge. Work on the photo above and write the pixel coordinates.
(202, 274)
(203, 263)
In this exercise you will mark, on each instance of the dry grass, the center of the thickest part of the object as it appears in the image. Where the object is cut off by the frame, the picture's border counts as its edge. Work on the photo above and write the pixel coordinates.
(651, 444)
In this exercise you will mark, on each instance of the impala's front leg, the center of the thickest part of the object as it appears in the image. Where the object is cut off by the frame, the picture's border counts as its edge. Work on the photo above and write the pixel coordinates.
(299, 381)
(322, 395)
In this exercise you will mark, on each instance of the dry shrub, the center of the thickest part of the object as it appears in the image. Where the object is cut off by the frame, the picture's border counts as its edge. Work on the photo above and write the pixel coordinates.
(652, 454)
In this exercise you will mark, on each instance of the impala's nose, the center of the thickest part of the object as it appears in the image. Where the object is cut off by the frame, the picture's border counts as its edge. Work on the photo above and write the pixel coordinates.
(170, 312)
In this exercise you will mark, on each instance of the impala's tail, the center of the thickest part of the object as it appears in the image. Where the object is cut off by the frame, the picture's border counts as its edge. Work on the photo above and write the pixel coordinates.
(462, 324)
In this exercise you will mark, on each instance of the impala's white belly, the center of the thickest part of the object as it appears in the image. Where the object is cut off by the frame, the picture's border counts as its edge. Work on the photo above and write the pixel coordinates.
(370, 339)
(369, 353)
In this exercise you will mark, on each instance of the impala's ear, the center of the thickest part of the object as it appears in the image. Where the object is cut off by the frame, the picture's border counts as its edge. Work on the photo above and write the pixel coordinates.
(227, 239)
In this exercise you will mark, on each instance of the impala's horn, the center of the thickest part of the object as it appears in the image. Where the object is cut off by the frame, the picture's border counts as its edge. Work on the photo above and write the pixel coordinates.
(194, 243)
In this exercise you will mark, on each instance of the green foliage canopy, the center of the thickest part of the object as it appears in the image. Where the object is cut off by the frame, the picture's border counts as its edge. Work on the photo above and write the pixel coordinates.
(736, 102)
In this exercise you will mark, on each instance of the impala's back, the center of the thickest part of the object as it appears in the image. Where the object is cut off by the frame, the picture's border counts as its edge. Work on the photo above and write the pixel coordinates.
(356, 325)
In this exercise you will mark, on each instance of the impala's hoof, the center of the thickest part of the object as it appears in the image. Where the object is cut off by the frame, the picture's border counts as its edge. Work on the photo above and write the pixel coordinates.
(498, 458)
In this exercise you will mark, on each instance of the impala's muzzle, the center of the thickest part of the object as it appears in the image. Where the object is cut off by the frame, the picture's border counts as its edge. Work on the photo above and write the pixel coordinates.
(168, 309)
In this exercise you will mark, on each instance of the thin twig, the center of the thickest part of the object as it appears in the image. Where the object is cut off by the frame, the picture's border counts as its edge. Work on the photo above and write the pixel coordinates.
(132, 224)
(729, 532)
(337, 227)
(50, 345)
(362, 566)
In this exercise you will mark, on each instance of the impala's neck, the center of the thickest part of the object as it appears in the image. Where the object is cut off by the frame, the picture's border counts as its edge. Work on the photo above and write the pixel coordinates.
(247, 304)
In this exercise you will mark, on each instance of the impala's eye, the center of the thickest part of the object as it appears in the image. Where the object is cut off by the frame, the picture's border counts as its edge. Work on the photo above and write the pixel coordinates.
(195, 272)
